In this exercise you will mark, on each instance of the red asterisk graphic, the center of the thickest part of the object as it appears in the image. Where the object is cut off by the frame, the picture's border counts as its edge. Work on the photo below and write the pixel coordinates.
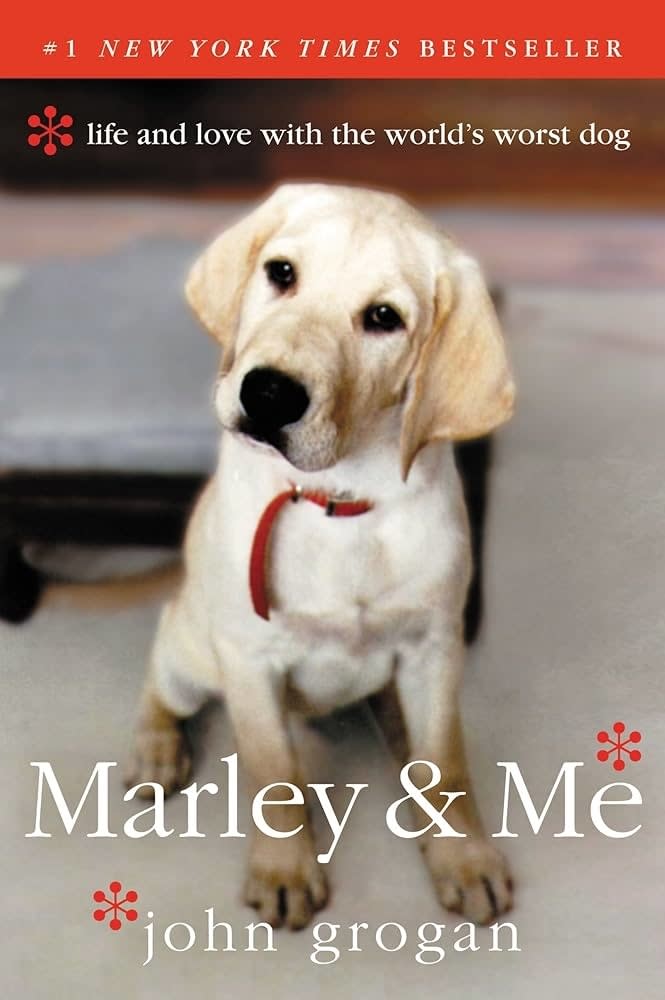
(618, 746)
(115, 906)
(50, 131)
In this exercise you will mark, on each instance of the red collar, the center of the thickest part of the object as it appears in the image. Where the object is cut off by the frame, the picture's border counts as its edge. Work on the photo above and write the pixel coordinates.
(258, 561)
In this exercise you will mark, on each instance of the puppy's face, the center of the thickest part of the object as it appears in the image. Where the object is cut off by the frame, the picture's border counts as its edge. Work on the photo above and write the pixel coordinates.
(331, 312)
(326, 301)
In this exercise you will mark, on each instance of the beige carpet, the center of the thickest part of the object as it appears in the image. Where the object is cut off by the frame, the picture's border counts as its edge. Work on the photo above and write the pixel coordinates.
(573, 640)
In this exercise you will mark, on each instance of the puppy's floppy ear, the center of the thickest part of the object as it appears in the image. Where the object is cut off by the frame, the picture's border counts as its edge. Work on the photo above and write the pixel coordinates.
(461, 386)
(216, 282)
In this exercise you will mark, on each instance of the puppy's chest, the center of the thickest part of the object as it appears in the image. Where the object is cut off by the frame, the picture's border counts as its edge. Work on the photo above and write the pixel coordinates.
(347, 599)
(362, 577)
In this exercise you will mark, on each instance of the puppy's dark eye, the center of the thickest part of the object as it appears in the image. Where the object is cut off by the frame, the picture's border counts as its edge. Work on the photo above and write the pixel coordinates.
(382, 319)
(281, 273)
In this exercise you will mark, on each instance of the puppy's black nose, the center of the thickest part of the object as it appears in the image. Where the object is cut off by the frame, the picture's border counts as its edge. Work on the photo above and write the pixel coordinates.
(272, 399)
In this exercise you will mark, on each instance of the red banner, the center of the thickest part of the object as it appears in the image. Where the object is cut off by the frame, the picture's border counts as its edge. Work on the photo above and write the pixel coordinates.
(74, 39)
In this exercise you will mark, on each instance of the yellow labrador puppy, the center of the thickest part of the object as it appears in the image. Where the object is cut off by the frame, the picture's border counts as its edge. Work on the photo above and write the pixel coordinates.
(358, 342)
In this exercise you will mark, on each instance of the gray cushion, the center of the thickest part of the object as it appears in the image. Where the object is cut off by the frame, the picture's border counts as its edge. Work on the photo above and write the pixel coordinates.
(102, 365)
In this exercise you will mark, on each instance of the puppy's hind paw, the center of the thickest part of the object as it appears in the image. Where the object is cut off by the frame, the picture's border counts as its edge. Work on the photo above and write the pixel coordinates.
(162, 756)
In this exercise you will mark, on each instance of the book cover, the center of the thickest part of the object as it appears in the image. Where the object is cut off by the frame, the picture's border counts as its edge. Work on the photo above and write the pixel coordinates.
(331, 502)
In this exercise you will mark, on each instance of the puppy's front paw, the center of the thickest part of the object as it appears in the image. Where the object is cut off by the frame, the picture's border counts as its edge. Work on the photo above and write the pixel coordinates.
(471, 877)
(162, 755)
(285, 885)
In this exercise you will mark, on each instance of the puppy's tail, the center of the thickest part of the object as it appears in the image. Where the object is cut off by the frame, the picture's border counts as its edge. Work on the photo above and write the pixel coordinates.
(116, 593)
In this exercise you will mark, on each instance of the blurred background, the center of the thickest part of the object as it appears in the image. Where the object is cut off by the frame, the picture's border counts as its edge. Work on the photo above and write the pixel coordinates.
(518, 188)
